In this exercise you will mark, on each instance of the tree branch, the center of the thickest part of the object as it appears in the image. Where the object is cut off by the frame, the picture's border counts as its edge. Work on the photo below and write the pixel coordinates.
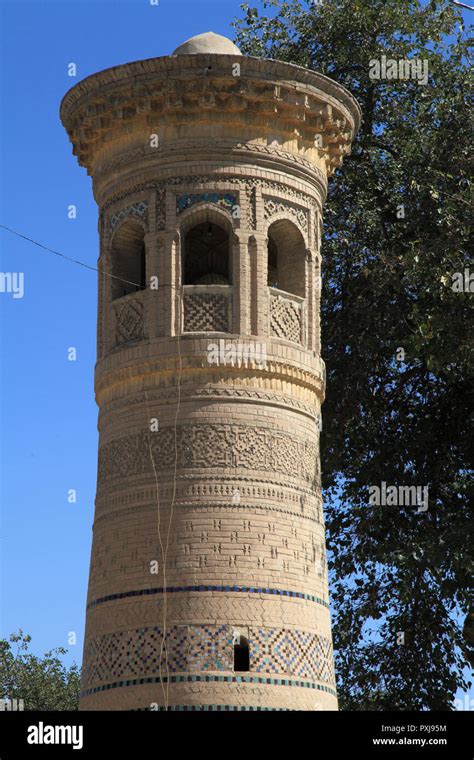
(462, 5)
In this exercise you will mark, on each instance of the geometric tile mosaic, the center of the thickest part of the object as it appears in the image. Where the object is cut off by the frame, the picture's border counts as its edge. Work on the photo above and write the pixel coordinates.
(298, 653)
(137, 209)
(201, 648)
(225, 200)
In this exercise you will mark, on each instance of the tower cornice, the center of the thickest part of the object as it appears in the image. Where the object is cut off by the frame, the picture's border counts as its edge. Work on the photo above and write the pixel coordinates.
(252, 101)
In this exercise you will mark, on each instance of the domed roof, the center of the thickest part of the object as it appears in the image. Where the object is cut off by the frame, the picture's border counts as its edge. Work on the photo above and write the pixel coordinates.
(209, 42)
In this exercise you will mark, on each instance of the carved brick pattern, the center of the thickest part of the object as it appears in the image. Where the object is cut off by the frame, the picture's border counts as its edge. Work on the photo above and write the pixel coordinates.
(285, 319)
(198, 648)
(206, 312)
(129, 321)
(211, 391)
(243, 181)
(252, 209)
(274, 206)
(132, 157)
(277, 188)
(306, 507)
(137, 209)
(161, 210)
(202, 446)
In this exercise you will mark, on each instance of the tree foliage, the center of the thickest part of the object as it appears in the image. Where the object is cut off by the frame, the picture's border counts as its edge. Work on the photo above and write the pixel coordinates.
(43, 683)
(398, 416)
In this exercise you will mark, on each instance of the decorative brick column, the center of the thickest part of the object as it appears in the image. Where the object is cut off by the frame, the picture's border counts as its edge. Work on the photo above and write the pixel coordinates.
(209, 532)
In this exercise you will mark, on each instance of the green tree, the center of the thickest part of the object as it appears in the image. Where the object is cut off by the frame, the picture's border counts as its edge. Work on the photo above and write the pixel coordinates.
(43, 683)
(396, 343)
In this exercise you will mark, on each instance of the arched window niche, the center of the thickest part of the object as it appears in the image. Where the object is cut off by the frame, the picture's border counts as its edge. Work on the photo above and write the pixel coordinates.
(128, 256)
(286, 258)
(206, 271)
(286, 281)
(241, 655)
(206, 255)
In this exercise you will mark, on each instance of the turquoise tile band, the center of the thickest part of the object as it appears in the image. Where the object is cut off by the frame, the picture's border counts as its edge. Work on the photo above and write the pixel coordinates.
(207, 589)
(210, 679)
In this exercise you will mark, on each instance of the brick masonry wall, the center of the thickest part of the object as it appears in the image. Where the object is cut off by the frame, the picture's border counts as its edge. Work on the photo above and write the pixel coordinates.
(229, 566)
(210, 527)
(236, 519)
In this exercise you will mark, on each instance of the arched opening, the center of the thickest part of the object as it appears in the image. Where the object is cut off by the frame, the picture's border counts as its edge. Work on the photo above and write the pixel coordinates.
(241, 655)
(128, 260)
(272, 264)
(286, 258)
(206, 255)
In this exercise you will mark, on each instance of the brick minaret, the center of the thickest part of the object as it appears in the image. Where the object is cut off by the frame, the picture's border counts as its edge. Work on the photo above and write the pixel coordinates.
(208, 585)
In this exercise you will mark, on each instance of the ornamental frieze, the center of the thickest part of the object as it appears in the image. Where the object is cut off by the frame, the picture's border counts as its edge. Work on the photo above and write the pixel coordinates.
(274, 206)
(295, 202)
(227, 201)
(194, 648)
(139, 209)
(132, 157)
(210, 446)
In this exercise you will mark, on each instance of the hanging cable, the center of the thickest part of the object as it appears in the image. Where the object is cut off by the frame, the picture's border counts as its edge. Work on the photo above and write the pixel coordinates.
(164, 549)
(68, 258)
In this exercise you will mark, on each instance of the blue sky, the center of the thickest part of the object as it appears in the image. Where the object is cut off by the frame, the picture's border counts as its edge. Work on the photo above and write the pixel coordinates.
(48, 434)
(49, 416)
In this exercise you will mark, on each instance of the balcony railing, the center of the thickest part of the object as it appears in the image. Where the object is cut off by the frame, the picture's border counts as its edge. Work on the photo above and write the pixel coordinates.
(129, 318)
(207, 308)
(287, 318)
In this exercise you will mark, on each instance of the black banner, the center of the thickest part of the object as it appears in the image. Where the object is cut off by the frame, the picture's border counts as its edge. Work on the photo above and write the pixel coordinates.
(370, 734)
